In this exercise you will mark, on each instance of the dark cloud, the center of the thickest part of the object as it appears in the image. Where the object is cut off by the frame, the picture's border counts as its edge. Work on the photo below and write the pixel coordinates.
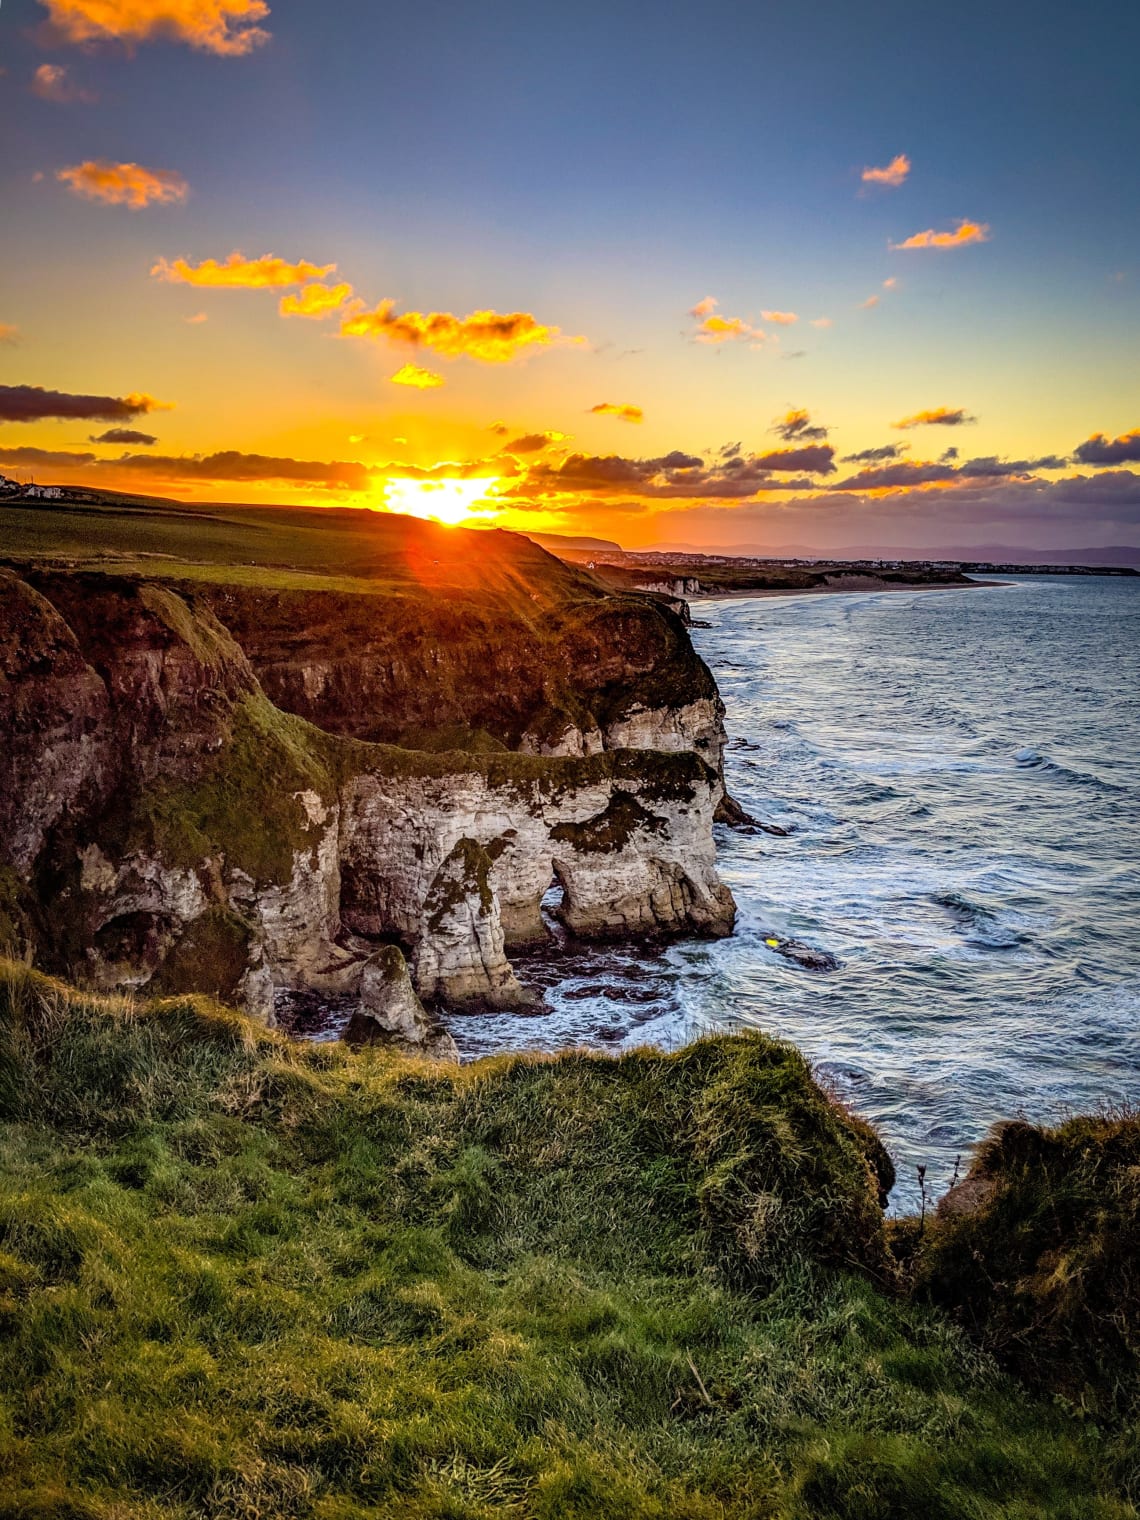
(947, 456)
(678, 475)
(26, 455)
(530, 443)
(991, 467)
(1099, 450)
(884, 451)
(124, 435)
(31, 403)
(796, 426)
(904, 472)
(229, 464)
(816, 459)
(890, 476)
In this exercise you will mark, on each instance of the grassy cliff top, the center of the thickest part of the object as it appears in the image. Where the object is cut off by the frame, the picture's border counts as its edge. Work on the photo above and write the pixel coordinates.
(288, 548)
(243, 1278)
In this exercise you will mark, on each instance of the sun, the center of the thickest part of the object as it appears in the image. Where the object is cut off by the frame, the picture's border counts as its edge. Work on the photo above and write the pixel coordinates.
(444, 500)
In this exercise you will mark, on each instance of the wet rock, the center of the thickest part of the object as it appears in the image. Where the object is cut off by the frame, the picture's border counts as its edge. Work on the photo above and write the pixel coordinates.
(808, 956)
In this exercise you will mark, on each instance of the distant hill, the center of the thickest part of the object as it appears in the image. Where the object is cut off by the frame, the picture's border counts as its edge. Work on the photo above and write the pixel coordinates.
(566, 545)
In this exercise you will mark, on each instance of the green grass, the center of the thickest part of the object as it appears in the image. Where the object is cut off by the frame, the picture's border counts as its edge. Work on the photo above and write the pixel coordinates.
(1045, 1270)
(243, 1278)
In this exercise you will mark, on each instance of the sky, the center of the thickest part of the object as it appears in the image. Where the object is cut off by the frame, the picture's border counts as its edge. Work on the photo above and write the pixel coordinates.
(849, 275)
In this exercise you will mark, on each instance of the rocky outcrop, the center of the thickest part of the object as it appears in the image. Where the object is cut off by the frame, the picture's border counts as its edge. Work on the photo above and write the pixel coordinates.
(390, 1012)
(177, 830)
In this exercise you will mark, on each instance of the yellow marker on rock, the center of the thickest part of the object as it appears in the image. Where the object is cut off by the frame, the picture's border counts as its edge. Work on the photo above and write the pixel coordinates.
(775, 943)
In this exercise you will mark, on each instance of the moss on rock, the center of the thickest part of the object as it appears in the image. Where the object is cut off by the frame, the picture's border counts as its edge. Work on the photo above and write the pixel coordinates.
(247, 806)
(610, 830)
(210, 956)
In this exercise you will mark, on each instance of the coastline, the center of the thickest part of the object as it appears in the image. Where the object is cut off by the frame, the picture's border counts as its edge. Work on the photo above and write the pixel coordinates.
(714, 596)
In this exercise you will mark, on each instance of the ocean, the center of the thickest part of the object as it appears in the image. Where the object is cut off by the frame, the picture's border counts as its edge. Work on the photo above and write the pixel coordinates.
(959, 774)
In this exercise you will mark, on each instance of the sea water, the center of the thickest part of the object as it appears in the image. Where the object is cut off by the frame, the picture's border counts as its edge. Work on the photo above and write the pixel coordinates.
(959, 775)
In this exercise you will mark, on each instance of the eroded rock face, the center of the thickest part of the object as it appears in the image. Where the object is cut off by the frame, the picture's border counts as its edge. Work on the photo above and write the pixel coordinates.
(182, 833)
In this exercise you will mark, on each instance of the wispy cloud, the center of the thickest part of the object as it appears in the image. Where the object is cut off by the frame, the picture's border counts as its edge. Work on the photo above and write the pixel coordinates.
(197, 319)
(963, 234)
(796, 425)
(780, 318)
(31, 403)
(822, 322)
(51, 81)
(623, 411)
(9, 334)
(938, 416)
(315, 301)
(124, 184)
(419, 379)
(239, 273)
(703, 307)
(891, 175)
(228, 28)
(876, 456)
(1099, 450)
(869, 303)
(491, 337)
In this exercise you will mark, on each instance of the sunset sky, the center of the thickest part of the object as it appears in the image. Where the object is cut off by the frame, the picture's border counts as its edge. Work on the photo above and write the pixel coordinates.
(834, 276)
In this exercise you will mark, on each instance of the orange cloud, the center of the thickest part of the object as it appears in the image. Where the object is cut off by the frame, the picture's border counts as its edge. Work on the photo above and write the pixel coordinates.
(226, 27)
(197, 319)
(124, 184)
(51, 82)
(490, 336)
(939, 416)
(316, 301)
(822, 322)
(623, 412)
(781, 318)
(703, 307)
(9, 334)
(893, 174)
(869, 303)
(239, 273)
(965, 232)
(728, 330)
(421, 379)
(891, 284)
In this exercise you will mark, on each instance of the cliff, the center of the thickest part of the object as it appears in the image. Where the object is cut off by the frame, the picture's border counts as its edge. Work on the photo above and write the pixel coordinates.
(236, 788)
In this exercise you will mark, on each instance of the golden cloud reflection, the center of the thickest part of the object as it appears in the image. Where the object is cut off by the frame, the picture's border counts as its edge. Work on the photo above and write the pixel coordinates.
(447, 501)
